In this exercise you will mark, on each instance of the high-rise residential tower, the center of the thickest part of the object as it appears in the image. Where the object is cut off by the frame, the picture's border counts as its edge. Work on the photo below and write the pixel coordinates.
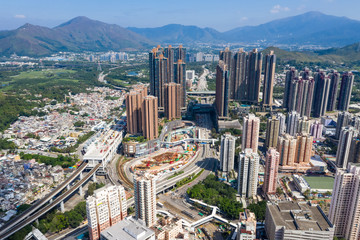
(347, 82)
(343, 150)
(150, 117)
(345, 203)
(286, 148)
(292, 122)
(253, 76)
(145, 198)
(180, 78)
(227, 152)
(354, 156)
(158, 74)
(303, 125)
(134, 102)
(169, 55)
(291, 75)
(343, 120)
(272, 132)
(105, 208)
(172, 98)
(222, 89)
(321, 94)
(180, 54)
(282, 123)
(269, 75)
(301, 95)
(248, 173)
(238, 75)
(271, 171)
(316, 130)
(333, 91)
(303, 150)
(250, 134)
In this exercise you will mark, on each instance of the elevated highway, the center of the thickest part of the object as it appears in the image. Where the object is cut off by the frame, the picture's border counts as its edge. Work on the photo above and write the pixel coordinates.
(40, 203)
(37, 210)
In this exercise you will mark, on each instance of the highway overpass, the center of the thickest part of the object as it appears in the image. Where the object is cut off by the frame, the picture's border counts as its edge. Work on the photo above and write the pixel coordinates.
(38, 209)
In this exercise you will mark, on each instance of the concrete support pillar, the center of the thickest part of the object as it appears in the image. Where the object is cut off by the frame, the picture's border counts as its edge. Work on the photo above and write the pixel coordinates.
(68, 187)
(51, 200)
(81, 175)
(94, 178)
(62, 208)
(37, 222)
(81, 191)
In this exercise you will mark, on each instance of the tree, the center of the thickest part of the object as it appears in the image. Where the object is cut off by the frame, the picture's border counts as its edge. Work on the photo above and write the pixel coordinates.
(279, 191)
(259, 209)
(59, 222)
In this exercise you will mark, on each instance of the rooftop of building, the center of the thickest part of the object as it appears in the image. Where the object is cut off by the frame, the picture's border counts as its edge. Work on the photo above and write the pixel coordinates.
(299, 216)
(100, 147)
(165, 224)
(129, 228)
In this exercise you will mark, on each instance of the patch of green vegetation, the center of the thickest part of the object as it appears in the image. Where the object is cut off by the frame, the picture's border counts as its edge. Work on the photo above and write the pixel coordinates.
(60, 160)
(214, 192)
(93, 186)
(139, 139)
(5, 144)
(56, 221)
(21, 91)
(74, 147)
(176, 174)
(111, 98)
(188, 179)
(259, 209)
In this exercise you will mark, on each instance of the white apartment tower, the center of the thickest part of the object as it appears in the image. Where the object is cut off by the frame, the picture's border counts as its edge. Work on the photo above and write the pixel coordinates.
(345, 203)
(227, 152)
(248, 173)
(105, 208)
(145, 198)
(344, 145)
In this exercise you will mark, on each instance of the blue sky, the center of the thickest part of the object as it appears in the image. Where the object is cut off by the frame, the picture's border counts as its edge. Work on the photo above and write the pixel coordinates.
(221, 14)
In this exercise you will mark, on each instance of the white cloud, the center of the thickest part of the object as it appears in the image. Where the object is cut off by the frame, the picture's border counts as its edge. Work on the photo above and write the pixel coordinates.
(243, 19)
(19, 16)
(278, 8)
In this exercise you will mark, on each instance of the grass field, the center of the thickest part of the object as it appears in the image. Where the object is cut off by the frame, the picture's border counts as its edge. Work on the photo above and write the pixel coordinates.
(320, 182)
(47, 73)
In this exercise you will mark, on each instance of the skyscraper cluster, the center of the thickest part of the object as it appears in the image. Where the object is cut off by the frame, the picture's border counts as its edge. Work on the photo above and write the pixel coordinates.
(239, 77)
(308, 93)
(142, 112)
(107, 207)
(167, 65)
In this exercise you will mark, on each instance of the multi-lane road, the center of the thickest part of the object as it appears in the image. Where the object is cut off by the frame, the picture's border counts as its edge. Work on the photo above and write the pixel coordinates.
(40, 209)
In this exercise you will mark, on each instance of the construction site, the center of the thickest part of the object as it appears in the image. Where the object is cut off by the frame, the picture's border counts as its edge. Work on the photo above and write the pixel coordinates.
(165, 160)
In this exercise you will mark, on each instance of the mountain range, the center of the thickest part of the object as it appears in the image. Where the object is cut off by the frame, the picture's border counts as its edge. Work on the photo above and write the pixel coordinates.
(84, 34)
(78, 34)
